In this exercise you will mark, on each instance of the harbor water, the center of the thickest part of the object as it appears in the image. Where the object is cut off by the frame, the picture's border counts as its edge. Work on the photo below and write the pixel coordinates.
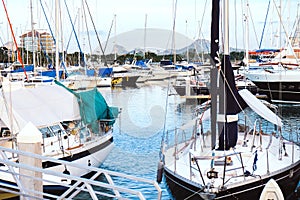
(146, 112)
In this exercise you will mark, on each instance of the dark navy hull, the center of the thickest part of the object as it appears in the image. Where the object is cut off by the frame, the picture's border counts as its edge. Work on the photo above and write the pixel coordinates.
(280, 91)
(181, 90)
(287, 180)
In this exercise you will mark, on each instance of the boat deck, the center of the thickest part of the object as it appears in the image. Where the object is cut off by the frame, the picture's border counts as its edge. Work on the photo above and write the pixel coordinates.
(254, 158)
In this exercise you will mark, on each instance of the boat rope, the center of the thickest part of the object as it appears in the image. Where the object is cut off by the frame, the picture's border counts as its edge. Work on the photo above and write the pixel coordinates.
(73, 28)
(182, 186)
(262, 34)
(69, 41)
(230, 89)
(10, 112)
(161, 155)
(112, 23)
(15, 42)
(54, 40)
(100, 45)
(87, 29)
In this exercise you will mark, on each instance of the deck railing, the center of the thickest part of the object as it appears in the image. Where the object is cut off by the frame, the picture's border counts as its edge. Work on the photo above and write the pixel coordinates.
(92, 187)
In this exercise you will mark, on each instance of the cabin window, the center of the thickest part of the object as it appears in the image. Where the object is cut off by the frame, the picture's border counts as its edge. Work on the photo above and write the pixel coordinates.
(46, 132)
(55, 129)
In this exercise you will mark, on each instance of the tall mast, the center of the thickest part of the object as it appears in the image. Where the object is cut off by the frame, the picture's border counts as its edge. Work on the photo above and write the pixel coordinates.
(56, 36)
(247, 34)
(173, 31)
(187, 48)
(214, 48)
(79, 17)
(32, 35)
(226, 29)
(115, 42)
(145, 31)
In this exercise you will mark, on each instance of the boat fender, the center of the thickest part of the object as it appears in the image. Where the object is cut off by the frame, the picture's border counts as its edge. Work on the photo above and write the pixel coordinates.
(160, 168)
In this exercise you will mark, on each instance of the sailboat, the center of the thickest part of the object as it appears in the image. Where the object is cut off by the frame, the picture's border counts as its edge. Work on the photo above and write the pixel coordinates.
(225, 163)
(74, 126)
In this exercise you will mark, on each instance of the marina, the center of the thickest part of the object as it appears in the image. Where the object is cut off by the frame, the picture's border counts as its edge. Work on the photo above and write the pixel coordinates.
(138, 132)
(149, 113)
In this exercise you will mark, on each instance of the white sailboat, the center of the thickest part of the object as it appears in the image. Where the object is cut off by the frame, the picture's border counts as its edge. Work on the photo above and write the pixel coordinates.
(75, 127)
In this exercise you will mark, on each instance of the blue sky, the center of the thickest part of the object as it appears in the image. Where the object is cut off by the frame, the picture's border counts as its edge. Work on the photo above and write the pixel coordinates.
(131, 14)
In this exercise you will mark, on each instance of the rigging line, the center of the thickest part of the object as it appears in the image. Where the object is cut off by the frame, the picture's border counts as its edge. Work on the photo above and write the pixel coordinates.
(1, 38)
(54, 39)
(243, 25)
(112, 23)
(296, 27)
(285, 32)
(254, 30)
(105, 62)
(48, 22)
(165, 121)
(81, 53)
(262, 34)
(202, 19)
(10, 116)
(87, 29)
(69, 41)
(15, 42)
(235, 24)
(45, 52)
(187, 188)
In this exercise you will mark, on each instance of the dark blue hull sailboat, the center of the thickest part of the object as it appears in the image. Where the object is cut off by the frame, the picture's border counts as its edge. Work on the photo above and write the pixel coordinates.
(227, 162)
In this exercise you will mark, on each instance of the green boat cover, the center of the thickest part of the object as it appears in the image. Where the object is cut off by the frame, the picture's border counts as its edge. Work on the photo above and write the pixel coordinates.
(93, 108)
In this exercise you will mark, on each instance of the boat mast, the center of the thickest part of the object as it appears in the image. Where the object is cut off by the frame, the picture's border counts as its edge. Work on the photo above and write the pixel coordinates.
(145, 31)
(215, 62)
(115, 43)
(56, 36)
(187, 48)
(247, 35)
(32, 35)
(173, 32)
(100, 45)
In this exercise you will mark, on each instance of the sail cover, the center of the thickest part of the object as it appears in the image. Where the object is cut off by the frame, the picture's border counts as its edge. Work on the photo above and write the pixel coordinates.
(44, 105)
(258, 107)
(93, 107)
(230, 104)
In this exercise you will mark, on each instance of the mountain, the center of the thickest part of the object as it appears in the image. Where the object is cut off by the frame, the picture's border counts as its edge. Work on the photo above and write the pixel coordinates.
(155, 40)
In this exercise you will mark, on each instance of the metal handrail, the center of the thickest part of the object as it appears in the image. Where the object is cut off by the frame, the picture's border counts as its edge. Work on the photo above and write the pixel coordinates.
(79, 183)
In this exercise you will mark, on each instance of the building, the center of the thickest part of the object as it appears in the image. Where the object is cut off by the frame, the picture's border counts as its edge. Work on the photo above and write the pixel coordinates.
(42, 41)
